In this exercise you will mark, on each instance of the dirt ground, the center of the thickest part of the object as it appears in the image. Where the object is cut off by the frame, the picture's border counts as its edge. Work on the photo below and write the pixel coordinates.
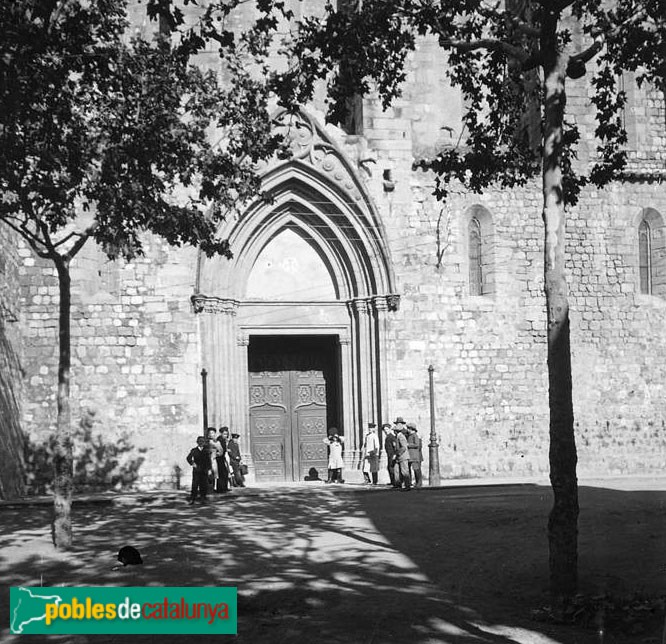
(363, 566)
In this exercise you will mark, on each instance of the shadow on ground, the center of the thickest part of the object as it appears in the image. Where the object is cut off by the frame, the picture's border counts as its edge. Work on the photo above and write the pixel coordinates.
(433, 566)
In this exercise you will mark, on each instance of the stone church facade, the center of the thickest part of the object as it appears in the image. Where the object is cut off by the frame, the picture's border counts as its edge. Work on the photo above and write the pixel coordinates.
(348, 285)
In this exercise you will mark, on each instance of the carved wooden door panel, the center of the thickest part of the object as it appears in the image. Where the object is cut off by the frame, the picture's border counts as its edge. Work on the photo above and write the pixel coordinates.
(309, 413)
(270, 435)
(288, 425)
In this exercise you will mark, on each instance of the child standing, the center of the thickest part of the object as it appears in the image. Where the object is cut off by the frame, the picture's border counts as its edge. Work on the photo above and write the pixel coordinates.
(335, 452)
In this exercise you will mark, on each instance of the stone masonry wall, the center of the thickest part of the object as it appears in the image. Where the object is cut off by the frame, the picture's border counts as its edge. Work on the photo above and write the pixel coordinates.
(136, 348)
(135, 353)
(490, 351)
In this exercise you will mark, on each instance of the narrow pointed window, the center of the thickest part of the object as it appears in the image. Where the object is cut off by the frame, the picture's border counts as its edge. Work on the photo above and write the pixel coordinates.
(645, 256)
(475, 258)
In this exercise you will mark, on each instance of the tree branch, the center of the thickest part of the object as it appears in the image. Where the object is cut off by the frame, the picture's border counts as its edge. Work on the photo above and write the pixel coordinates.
(50, 248)
(490, 44)
(588, 54)
(82, 239)
(65, 239)
(600, 38)
(33, 241)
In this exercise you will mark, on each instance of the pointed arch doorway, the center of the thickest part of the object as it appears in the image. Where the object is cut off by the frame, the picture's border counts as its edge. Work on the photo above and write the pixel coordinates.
(294, 327)
(293, 399)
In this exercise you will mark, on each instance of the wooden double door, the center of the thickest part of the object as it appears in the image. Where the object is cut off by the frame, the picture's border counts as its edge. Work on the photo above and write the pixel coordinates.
(288, 425)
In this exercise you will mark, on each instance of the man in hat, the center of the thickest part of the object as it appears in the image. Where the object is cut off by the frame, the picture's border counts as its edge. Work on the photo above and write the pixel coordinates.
(415, 447)
(199, 459)
(402, 450)
(390, 445)
(371, 454)
(233, 449)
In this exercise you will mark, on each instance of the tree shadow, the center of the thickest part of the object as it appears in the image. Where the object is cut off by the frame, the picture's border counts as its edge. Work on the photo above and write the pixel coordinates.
(326, 564)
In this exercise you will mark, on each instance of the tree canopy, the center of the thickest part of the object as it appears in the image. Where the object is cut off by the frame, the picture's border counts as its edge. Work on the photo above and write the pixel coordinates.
(109, 135)
(95, 120)
(496, 53)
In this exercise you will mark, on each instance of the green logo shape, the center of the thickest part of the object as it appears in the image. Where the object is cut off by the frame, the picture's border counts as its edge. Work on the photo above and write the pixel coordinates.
(92, 610)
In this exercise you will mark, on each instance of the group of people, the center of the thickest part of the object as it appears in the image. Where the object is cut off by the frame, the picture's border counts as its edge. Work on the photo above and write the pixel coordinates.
(216, 464)
(404, 453)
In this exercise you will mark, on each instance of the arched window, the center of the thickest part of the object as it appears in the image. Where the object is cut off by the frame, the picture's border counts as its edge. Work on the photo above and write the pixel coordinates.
(651, 266)
(645, 256)
(475, 249)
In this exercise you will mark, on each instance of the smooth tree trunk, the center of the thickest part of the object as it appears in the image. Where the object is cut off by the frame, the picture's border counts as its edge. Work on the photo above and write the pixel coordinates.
(563, 519)
(62, 457)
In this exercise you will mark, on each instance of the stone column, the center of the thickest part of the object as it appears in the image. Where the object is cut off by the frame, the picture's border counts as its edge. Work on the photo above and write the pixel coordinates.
(241, 409)
(219, 354)
(362, 316)
(381, 307)
(348, 401)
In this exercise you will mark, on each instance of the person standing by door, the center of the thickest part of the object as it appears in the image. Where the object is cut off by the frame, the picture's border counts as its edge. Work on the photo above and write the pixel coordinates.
(371, 454)
(199, 459)
(213, 448)
(390, 446)
(233, 448)
(335, 456)
(223, 461)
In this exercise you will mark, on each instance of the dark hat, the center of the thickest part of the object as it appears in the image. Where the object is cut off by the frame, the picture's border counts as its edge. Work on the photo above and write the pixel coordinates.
(333, 430)
(235, 436)
(400, 420)
(385, 425)
(371, 425)
(411, 426)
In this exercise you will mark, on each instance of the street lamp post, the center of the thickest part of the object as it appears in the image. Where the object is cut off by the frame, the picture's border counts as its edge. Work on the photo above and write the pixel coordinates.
(433, 471)
(204, 373)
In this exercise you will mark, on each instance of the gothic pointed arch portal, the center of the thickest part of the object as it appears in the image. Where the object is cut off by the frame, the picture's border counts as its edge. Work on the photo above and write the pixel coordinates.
(293, 328)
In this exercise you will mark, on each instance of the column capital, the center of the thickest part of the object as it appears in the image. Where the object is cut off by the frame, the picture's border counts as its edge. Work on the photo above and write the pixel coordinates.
(207, 304)
(360, 305)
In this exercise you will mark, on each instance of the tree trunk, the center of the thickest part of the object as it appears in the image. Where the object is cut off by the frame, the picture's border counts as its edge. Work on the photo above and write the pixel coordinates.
(62, 457)
(563, 519)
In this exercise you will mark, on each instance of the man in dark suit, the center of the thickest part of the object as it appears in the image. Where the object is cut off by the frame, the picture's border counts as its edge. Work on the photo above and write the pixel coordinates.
(391, 455)
(199, 459)
(233, 447)
(415, 447)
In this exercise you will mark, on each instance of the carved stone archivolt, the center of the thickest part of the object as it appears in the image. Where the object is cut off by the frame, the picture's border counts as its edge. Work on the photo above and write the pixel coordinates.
(308, 144)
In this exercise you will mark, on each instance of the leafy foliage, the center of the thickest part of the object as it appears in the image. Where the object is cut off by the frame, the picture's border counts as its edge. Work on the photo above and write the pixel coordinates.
(99, 464)
(496, 54)
(94, 121)
(108, 136)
